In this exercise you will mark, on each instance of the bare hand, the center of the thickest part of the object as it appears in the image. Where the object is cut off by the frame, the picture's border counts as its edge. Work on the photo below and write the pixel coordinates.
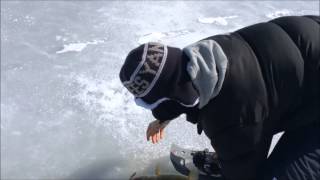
(155, 130)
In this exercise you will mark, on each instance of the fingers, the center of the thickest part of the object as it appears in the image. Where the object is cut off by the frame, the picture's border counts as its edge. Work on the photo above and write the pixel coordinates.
(152, 134)
(158, 136)
(155, 137)
(161, 133)
(148, 134)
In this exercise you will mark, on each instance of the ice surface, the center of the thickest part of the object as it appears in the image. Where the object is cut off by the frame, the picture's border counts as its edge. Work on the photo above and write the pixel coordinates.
(64, 113)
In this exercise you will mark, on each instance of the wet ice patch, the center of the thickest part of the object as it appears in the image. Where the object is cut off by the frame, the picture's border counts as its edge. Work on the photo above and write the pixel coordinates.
(77, 47)
(223, 21)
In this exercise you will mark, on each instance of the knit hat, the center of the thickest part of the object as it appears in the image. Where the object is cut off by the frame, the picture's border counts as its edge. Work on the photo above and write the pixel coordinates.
(155, 71)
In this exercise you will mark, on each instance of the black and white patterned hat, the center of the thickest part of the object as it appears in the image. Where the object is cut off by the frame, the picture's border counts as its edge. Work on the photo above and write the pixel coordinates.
(155, 71)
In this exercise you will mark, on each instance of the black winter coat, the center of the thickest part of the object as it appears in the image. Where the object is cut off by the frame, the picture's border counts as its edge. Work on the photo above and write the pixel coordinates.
(271, 85)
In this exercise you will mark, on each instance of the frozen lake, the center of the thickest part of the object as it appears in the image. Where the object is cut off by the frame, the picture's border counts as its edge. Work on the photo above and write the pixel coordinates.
(64, 112)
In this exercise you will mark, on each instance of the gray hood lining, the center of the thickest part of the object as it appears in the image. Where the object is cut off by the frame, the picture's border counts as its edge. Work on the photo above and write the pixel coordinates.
(207, 68)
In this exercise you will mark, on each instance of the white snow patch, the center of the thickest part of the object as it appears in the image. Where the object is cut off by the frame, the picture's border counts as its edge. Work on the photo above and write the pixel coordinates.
(159, 36)
(216, 20)
(72, 47)
(77, 47)
(154, 37)
(279, 13)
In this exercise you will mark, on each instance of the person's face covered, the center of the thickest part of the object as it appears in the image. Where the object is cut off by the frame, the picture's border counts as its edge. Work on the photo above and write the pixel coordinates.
(168, 110)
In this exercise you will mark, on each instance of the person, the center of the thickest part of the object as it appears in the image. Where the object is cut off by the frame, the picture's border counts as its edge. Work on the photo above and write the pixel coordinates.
(240, 89)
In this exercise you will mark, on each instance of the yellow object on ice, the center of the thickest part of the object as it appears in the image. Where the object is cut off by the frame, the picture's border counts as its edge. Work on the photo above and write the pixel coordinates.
(192, 176)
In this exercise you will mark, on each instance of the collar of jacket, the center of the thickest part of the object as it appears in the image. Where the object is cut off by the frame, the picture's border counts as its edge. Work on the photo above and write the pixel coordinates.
(207, 68)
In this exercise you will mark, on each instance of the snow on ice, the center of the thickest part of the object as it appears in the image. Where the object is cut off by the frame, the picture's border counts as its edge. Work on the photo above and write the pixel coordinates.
(216, 20)
(76, 47)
